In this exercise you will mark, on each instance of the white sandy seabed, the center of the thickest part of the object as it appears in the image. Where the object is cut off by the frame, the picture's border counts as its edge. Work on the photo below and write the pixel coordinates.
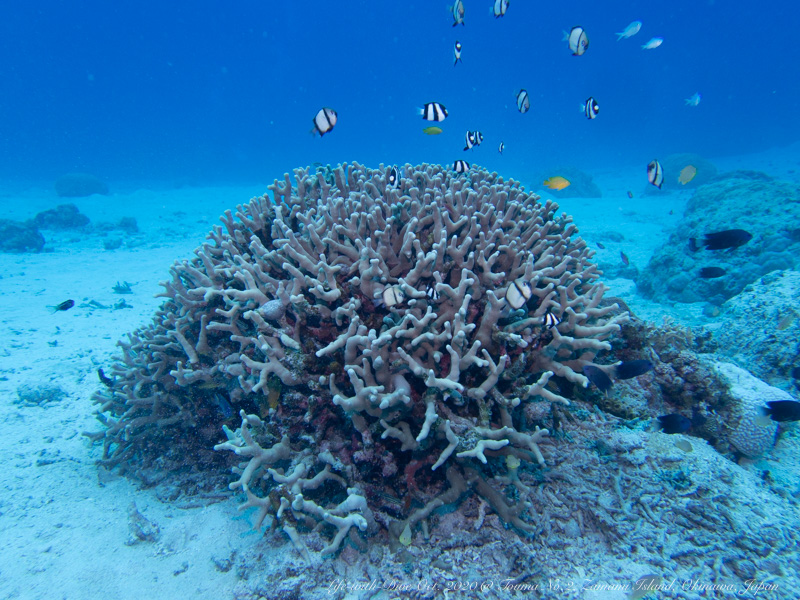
(63, 524)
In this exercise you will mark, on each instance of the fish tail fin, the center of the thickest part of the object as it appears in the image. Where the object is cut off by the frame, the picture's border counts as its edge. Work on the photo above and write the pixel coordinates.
(620, 35)
(693, 245)
(566, 36)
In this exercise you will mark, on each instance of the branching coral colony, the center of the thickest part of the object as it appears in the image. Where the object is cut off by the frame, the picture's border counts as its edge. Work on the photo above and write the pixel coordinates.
(366, 336)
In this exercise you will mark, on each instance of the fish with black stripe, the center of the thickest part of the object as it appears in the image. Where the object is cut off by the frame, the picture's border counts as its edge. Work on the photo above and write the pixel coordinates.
(433, 111)
(655, 173)
(473, 138)
(577, 39)
(523, 101)
(590, 108)
(461, 166)
(549, 320)
(458, 13)
(393, 178)
(500, 7)
(457, 53)
(324, 121)
(518, 293)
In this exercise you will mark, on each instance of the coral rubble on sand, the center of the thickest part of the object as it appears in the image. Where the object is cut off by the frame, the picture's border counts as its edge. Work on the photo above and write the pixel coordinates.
(355, 343)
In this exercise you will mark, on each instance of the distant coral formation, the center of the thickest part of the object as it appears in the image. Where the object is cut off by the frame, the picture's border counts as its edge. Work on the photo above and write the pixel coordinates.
(79, 185)
(16, 236)
(63, 216)
(355, 343)
(769, 210)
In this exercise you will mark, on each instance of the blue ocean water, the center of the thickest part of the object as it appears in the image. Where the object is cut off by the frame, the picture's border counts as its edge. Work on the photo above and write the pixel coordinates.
(204, 93)
(199, 92)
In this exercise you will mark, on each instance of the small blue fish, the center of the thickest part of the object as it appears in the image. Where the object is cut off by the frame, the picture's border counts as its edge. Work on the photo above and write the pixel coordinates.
(693, 100)
(224, 406)
(653, 43)
(630, 31)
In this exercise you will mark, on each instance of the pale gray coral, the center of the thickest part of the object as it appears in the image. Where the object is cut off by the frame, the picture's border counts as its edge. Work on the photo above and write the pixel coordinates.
(283, 311)
(751, 433)
(760, 328)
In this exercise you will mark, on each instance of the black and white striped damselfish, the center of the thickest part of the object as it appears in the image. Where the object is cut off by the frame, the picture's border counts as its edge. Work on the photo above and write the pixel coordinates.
(461, 166)
(473, 138)
(655, 173)
(590, 108)
(518, 293)
(458, 13)
(393, 295)
(393, 179)
(324, 121)
(430, 292)
(500, 7)
(578, 40)
(550, 320)
(523, 101)
(433, 111)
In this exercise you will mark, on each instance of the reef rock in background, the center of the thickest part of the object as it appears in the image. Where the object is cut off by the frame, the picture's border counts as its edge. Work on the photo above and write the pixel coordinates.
(769, 210)
(63, 216)
(79, 185)
(760, 328)
(20, 237)
(580, 185)
(354, 342)
(674, 165)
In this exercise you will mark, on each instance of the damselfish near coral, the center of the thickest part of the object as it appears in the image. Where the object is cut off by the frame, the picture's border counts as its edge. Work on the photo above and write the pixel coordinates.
(371, 352)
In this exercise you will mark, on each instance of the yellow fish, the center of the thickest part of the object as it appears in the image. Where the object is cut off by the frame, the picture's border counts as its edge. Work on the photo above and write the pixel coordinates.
(433, 130)
(556, 183)
(687, 174)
